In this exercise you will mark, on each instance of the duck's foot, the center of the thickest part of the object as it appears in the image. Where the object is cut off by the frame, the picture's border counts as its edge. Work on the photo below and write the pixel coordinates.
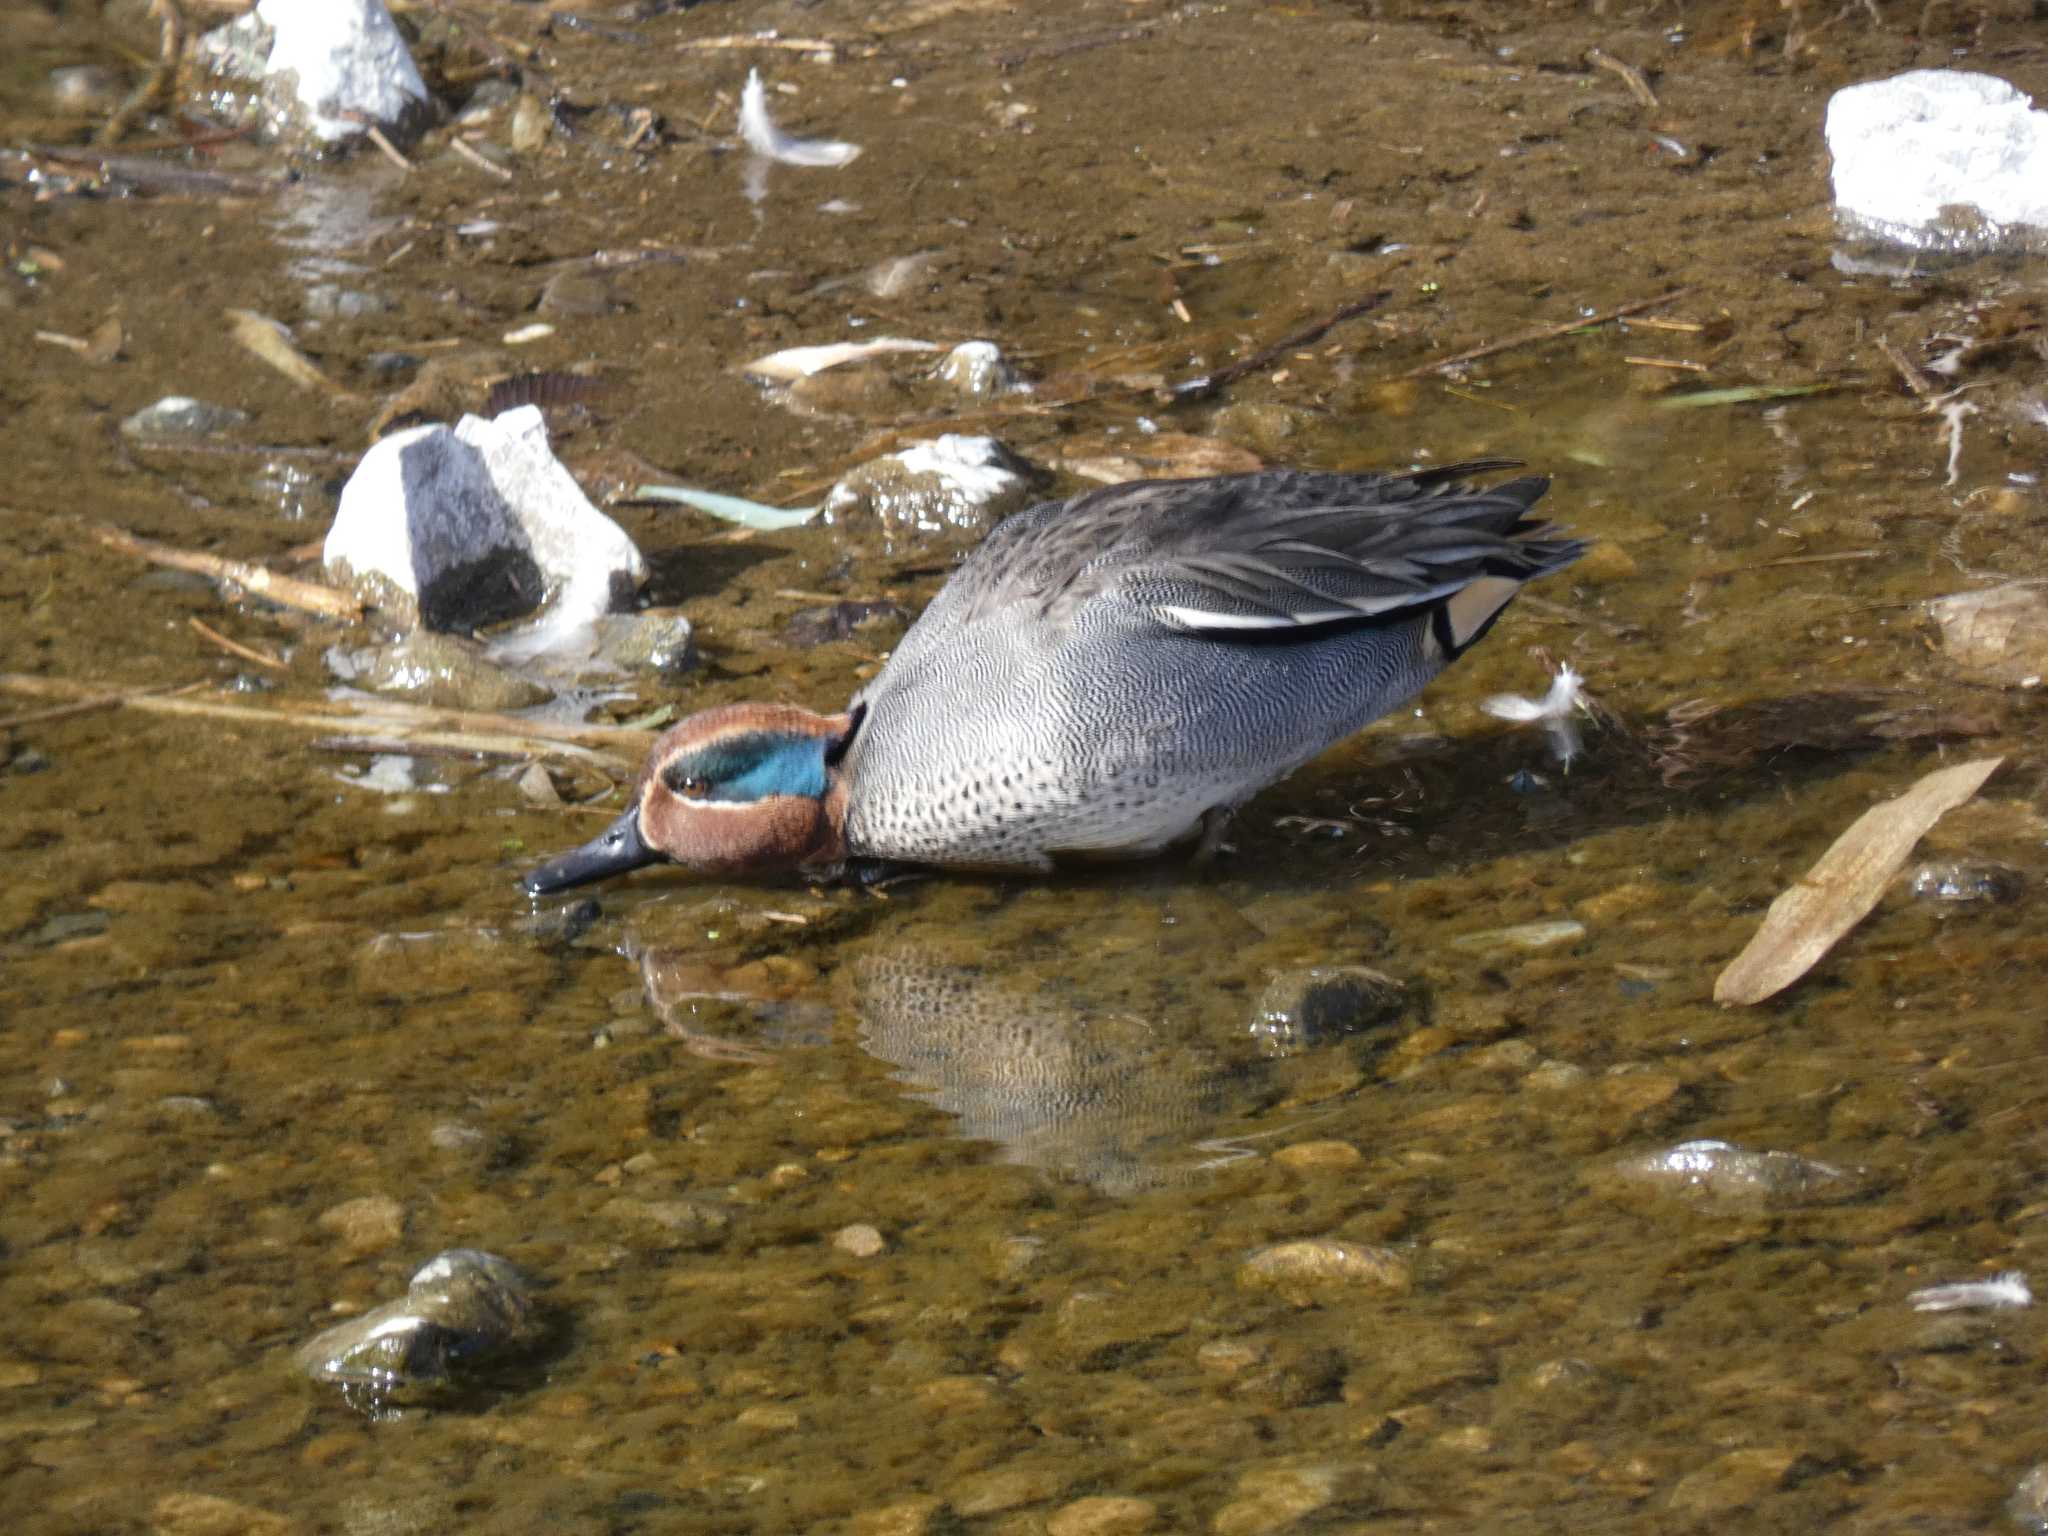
(875, 875)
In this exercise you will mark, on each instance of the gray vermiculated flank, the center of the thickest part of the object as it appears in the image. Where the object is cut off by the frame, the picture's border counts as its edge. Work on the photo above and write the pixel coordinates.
(1101, 672)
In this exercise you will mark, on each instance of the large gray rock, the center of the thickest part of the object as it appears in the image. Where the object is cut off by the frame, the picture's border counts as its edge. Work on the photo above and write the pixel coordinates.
(328, 70)
(463, 527)
(1940, 160)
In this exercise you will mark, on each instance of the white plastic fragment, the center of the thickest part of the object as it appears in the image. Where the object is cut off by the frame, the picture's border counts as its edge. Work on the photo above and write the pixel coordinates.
(1554, 711)
(793, 363)
(764, 138)
(2007, 1290)
(1940, 160)
(731, 509)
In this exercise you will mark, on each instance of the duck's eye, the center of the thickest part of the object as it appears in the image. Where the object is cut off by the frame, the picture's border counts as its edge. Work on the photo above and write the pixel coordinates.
(695, 787)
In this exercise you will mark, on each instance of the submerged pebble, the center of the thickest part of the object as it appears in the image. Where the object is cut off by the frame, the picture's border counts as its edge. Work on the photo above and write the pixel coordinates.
(463, 1309)
(2028, 1504)
(1724, 1169)
(84, 88)
(1735, 1482)
(331, 301)
(1276, 1498)
(445, 671)
(1318, 1261)
(366, 1225)
(662, 642)
(860, 1240)
(977, 370)
(840, 621)
(1103, 1515)
(1321, 1004)
(1968, 880)
(208, 1514)
(182, 416)
(952, 484)
(1562, 930)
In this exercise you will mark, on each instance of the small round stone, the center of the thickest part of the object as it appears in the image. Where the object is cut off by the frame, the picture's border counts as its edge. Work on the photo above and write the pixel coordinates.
(860, 1240)
(1103, 1516)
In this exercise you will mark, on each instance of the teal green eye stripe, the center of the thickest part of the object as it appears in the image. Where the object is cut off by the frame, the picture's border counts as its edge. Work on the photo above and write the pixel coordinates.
(755, 765)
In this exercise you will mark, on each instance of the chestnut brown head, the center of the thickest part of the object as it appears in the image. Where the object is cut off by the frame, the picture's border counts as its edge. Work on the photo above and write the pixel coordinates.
(742, 789)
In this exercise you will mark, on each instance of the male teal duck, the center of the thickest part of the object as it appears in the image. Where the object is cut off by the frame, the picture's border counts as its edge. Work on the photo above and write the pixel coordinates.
(1104, 676)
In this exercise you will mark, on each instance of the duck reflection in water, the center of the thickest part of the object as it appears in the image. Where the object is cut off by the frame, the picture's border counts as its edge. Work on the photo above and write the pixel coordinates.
(1124, 1076)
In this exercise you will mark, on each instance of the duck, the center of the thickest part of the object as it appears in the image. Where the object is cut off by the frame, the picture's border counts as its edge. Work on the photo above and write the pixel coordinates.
(1104, 677)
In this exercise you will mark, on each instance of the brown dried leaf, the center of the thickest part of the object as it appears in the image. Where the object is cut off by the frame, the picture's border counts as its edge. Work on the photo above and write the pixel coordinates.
(104, 345)
(272, 343)
(2000, 633)
(1838, 892)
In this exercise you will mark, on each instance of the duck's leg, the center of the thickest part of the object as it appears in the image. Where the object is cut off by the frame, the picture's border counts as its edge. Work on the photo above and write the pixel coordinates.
(1215, 827)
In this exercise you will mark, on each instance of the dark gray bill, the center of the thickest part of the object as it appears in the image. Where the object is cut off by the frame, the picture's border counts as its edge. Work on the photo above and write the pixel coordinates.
(612, 852)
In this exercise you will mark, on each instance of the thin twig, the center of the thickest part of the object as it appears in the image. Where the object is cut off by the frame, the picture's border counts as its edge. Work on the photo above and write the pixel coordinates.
(451, 744)
(93, 705)
(150, 175)
(1631, 77)
(1066, 47)
(406, 719)
(1915, 379)
(755, 40)
(1209, 383)
(488, 166)
(170, 48)
(1543, 333)
(385, 147)
(1667, 362)
(234, 647)
(307, 596)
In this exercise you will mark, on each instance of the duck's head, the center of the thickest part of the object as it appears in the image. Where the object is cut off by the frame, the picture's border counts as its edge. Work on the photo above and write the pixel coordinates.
(739, 790)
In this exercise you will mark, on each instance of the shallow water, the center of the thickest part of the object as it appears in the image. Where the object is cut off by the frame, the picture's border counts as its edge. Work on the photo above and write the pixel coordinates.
(244, 995)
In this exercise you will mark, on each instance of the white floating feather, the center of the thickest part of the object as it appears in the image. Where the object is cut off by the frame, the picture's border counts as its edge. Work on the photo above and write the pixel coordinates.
(1555, 711)
(2007, 1290)
(765, 139)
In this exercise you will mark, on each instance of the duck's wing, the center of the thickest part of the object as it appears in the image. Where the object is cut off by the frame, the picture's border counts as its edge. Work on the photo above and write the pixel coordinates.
(1278, 554)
